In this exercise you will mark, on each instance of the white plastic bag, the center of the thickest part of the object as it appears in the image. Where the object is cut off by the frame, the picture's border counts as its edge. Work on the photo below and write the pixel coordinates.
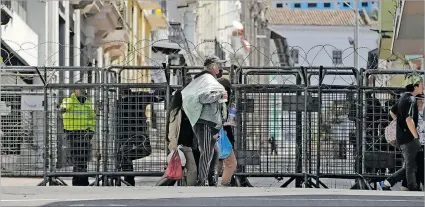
(181, 154)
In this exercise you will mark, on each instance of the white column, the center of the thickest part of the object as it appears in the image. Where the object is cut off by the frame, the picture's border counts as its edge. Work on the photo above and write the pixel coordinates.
(77, 42)
(144, 73)
(136, 10)
(107, 59)
(67, 46)
(55, 28)
(47, 33)
(144, 41)
(107, 63)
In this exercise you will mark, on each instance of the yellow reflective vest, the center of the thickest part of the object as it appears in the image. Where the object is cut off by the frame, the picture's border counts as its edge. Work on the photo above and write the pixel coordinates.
(78, 116)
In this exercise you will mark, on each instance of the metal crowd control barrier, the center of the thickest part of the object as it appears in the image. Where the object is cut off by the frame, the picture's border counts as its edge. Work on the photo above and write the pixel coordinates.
(311, 124)
(300, 107)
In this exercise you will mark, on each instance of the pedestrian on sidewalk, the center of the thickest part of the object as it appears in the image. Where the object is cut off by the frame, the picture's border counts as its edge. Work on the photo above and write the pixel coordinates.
(420, 155)
(229, 164)
(407, 135)
(203, 100)
(180, 133)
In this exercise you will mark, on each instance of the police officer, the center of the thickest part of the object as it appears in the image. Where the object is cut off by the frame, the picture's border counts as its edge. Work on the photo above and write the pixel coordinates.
(79, 121)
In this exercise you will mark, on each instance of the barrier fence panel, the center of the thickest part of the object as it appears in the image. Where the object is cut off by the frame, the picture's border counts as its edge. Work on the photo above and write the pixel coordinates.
(136, 141)
(382, 90)
(290, 129)
(331, 127)
(21, 128)
(299, 123)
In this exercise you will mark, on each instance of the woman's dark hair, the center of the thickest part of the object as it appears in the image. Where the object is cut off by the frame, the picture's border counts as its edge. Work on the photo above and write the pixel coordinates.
(176, 103)
(410, 87)
(228, 86)
(394, 109)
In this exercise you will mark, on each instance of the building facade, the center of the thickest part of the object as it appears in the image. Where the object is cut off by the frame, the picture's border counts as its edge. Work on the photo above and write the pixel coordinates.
(333, 42)
(67, 33)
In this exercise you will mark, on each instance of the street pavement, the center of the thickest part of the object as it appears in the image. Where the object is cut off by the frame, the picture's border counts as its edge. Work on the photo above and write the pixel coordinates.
(202, 196)
(151, 181)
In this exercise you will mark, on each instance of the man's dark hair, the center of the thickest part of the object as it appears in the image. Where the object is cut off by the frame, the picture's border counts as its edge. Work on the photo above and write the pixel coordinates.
(411, 87)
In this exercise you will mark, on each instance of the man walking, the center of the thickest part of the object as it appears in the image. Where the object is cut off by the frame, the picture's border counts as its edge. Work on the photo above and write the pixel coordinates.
(203, 100)
(407, 135)
(79, 121)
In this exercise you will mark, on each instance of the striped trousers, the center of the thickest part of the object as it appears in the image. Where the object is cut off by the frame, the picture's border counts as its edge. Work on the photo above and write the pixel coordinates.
(207, 138)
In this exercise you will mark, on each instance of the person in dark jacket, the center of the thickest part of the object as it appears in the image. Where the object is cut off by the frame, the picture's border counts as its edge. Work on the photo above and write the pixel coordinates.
(180, 133)
(229, 164)
(132, 131)
(407, 134)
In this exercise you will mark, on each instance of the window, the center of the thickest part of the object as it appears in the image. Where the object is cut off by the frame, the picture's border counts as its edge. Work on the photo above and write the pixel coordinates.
(20, 7)
(297, 5)
(337, 57)
(312, 5)
(279, 5)
(347, 4)
(365, 4)
(327, 5)
(295, 55)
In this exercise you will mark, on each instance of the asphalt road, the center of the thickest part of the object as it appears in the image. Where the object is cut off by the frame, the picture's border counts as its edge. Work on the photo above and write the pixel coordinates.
(202, 196)
(305, 200)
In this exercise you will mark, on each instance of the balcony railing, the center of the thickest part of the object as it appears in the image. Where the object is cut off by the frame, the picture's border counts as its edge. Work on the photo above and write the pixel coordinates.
(172, 34)
(160, 35)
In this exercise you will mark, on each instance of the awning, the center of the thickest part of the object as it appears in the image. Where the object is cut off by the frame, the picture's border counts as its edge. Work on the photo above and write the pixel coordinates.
(9, 79)
(409, 30)
(157, 21)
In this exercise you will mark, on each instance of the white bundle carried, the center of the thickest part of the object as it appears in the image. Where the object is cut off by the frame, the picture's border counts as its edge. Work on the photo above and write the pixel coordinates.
(191, 93)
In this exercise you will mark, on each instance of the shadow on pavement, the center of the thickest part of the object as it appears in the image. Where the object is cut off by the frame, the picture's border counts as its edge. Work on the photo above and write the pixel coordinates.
(309, 200)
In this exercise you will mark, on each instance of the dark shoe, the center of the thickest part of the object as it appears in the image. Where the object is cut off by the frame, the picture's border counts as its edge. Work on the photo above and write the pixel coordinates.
(386, 188)
(130, 180)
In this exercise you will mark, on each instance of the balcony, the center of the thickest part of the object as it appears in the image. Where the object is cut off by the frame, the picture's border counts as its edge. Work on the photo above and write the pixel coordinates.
(19, 37)
(115, 43)
(101, 19)
(149, 4)
(170, 37)
(80, 4)
(408, 38)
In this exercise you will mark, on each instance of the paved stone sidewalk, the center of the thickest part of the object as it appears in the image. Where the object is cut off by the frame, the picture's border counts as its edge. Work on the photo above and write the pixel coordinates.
(208, 196)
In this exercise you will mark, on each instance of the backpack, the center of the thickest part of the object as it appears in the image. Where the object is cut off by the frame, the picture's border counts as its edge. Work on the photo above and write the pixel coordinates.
(390, 133)
(224, 145)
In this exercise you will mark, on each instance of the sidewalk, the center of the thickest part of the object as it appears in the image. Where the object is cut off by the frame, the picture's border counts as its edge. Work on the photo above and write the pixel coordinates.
(140, 181)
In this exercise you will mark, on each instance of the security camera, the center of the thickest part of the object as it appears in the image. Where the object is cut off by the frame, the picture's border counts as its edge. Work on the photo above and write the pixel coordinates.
(351, 41)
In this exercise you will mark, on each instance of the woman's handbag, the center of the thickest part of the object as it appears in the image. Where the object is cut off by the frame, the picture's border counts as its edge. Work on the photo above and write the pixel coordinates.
(390, 133)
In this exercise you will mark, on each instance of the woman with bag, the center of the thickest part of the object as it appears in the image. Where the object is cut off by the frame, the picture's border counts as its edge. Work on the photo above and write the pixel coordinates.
(180, 137)
(227, 156)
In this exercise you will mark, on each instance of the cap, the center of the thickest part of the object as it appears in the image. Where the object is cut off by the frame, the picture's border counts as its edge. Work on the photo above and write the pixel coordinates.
(213, 59)
(412, 80)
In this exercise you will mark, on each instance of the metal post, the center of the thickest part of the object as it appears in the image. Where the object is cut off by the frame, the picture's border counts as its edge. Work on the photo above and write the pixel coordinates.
(47, 163)
(356, 36)
(1, 67)
(305, 136)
